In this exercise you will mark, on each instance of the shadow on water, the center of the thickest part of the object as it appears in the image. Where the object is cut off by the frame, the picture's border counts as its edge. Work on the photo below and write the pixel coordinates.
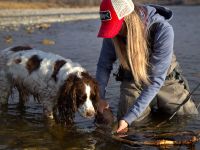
(28, 130)
(25, 128)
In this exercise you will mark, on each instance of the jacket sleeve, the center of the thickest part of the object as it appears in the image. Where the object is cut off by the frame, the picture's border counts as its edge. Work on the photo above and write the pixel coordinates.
(105, 65)
(160, 61)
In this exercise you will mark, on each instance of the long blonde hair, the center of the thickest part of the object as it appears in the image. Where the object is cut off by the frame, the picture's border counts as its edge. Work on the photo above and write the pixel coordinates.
(133, 56)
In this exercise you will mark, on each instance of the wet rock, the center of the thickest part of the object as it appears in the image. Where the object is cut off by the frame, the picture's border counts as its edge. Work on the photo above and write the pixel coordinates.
(48, 42)
(29, 29)
(43, 26)
(8, 39)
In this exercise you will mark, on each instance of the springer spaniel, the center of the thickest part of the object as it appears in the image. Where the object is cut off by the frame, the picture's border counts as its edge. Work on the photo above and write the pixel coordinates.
(61, 86)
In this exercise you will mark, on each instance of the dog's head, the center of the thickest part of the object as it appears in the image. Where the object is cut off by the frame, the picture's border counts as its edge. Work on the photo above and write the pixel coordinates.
(80, 93)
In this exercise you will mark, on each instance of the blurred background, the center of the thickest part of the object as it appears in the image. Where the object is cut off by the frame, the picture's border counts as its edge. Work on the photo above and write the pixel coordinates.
(50, 3)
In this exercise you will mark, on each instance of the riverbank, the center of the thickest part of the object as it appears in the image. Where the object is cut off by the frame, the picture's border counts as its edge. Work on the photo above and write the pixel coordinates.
(15, 13)
(13, 18)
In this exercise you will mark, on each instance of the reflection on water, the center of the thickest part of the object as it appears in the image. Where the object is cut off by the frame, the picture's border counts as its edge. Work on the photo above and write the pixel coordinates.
(25, 128)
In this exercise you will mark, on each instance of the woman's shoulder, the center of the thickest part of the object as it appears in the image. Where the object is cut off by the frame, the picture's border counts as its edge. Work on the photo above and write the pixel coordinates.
(151, 14)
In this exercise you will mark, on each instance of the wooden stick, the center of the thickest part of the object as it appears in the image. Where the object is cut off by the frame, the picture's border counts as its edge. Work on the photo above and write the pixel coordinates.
(159, 139)
(168, 134)
(161, 142)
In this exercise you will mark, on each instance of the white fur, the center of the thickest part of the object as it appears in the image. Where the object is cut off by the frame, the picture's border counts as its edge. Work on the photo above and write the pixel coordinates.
(39, 81)
(87, 109)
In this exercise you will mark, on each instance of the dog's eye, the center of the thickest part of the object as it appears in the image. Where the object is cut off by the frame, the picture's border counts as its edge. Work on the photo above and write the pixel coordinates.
(92, 97)
(83, 97)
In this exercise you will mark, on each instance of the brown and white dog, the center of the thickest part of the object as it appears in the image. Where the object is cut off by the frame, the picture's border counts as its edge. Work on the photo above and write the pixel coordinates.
(61, 86)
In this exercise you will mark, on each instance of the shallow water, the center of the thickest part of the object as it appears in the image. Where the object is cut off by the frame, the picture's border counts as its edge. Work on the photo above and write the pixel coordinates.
(25, 128)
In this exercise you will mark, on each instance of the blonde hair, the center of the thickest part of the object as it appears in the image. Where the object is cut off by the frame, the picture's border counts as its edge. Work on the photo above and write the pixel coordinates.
(133, 56)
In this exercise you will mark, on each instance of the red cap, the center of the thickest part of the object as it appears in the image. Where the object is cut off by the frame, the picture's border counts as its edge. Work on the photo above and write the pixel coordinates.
(110, 24)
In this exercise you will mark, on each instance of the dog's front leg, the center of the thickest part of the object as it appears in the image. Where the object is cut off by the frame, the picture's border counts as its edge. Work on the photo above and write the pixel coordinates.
(5, 88)
(48, 110)
(48, 106)
(49, 118)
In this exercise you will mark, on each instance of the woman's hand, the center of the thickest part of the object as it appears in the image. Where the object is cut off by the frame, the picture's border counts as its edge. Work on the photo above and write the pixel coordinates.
(102, 105)
(122, 126)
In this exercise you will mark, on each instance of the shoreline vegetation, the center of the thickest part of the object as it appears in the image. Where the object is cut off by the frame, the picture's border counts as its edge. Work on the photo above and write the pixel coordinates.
(45, 4)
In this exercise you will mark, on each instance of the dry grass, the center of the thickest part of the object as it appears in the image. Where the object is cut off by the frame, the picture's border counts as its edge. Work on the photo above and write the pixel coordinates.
(29, 5)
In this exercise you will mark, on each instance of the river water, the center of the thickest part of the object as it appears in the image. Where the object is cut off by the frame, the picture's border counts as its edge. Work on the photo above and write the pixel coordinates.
(26, 129)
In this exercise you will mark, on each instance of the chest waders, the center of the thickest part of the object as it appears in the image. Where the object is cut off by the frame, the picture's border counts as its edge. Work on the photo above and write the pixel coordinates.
(172, 93)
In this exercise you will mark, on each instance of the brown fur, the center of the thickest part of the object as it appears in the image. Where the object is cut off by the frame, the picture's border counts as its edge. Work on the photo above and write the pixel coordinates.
(58, 64)
(72, 95)
(94, 86)
(33, 63)
(106, 118)
(17, 61)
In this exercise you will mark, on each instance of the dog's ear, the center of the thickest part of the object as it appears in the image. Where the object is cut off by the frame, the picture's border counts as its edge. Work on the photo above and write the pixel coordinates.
(67, 99)
(95, 90)
(95, 87)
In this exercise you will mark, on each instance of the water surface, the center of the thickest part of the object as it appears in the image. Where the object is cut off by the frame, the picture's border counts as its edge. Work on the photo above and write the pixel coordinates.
(26, 129)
